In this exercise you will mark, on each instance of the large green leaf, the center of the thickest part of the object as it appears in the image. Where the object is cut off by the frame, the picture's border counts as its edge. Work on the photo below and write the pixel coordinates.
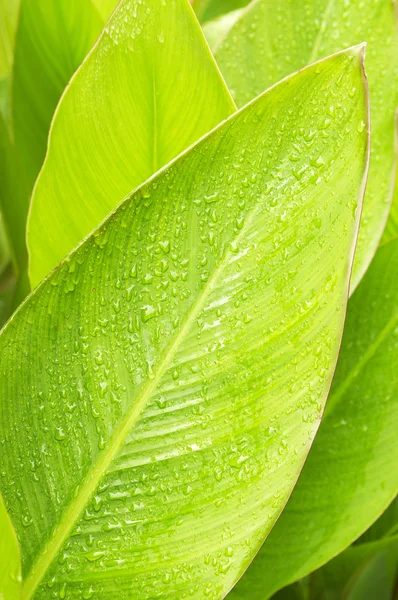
(10, 562)
(160, 390)
(273, 39)
(350, 475)
(148, 90)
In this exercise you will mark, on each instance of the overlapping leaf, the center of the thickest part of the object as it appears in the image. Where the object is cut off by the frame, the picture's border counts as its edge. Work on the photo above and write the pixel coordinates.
(52, 40)
(350, 475)
(367, 571)
(6, 276)
(10, 562)
(391, 230)
(8, 22)
(273, 39)
(148, 90)
(160, 390)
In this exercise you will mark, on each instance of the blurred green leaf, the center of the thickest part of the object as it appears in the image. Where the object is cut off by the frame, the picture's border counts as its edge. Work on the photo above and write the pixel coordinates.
(6, 276)
(385, 526)
(273, 39)
(391, 230)
(8, 23)
(52, 40)
(148, 90)
(362, 572)
(350, 475)
(211, 9)
(10, 564)
(105, 7)
(168, 378)
(13, 197)
(218, 28)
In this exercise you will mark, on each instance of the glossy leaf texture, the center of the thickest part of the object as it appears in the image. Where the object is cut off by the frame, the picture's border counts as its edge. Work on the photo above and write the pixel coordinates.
(148, 90)
(211, 9)
(52, 40)
(273, 39)
(10, 562)
(350, 475)
(166, 381)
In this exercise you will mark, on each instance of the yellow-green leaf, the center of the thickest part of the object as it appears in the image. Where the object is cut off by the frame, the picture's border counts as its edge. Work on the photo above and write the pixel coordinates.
(351, 473)
(166, 381)
(149, 89)
(10, 563)
(272, 39)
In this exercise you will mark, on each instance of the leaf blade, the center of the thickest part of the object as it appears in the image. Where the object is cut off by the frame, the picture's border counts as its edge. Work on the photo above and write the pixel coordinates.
(10, 564)
(197, 378)
(284, 37)
(149, 88)
(355, 443)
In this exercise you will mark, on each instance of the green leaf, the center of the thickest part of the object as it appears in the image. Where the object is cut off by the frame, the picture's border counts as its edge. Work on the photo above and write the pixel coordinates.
(391, 230)
(211, 9)
(350, 475)
(105, 7)
(8, 23)
(378, 578)
(385, 526)
(148, 90)
(52, 40)
(6, 276)
(218, 28)
(10, 563)
(13, 195)
(367, 571)
(273, 39)
(166, 381)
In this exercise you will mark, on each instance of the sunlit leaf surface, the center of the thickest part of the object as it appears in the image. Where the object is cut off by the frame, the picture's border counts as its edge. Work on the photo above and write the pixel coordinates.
(350, 475)
(211, 9)
(148, 90)
(273, 39)
(160, 390)
(10, 562)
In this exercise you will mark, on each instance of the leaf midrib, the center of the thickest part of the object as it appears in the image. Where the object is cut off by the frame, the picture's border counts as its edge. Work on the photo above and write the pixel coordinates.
(94, 476)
